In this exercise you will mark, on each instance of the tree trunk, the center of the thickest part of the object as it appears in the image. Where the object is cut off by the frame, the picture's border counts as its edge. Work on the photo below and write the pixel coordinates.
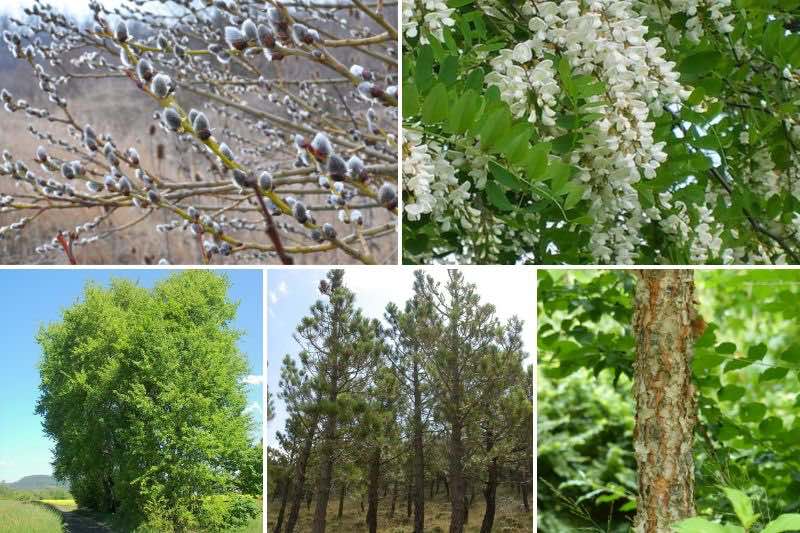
(419, 458)
(300, 476)
(665, 325)
(325, 471)
(374, 477)
(284, 499)
(446, 487)
(490, 494)
(341, 501)
(408, 502)
(524, 491)
(394, 499)
(458, 510)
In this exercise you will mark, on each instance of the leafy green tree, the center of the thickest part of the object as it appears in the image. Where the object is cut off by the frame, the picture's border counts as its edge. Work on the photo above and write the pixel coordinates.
(142, 392)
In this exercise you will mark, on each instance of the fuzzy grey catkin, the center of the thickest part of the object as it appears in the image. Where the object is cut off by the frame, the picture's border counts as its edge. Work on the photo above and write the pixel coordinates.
(337, 168)
(161, 85)
(172, 119)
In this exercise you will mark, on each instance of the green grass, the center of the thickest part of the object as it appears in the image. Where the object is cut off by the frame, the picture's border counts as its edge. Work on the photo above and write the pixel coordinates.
(17, 516)
(255, 526)
(63, 505)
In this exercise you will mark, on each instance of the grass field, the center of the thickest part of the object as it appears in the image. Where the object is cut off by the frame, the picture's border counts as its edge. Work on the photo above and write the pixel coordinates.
(510, 517)
(17, 516)
(64, 505)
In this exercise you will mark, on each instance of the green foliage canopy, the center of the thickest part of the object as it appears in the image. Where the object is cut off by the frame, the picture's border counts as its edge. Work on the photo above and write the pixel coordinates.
(141, 391)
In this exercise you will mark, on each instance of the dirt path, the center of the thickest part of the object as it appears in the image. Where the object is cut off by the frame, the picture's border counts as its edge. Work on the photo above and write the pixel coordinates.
(75, 522)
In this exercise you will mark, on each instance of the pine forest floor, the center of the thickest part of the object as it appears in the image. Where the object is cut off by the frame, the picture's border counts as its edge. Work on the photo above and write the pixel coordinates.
(510, 517)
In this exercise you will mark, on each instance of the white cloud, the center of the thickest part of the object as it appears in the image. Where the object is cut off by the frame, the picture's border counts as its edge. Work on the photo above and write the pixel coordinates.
(253, 379)
(254, 408)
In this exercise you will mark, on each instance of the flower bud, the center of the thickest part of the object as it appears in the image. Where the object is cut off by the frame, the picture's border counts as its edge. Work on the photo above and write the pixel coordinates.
(387, 196)
(161, 85)
(337, 168)
(299, 212)
(133, 156)
(201, 126)
(329, 231)
(242, 179)
(125, 185)
(121, 31)
(110, 183)
(235, 38)
(356, 217)
(266, 37)
(172, 119)
(154, 197)
(144, 70)
(193, 212)
(67, 171)
(321, 147)
(41, 155)
(249, 30)
(355, 168)
(226, 151)
(265, 181)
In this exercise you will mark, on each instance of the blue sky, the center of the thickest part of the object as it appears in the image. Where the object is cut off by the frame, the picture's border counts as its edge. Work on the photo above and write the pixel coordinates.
(292, 292)
(31, 298)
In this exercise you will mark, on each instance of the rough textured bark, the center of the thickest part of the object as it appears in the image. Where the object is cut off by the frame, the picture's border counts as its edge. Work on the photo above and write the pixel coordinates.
(373, 476)
(282, 511)
(300, 477)
(341, 501)
(419, 457)
(666, 408)
(458, 512)
(325, 471)
(524, 491)
(394, 500)
(490, 493)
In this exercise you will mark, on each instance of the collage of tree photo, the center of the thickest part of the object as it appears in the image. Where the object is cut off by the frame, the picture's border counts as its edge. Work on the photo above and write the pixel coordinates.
(399, 266)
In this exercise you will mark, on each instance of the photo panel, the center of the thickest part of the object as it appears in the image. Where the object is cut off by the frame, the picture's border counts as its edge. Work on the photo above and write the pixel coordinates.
(132, 400)
(400, 399)
(668, 400)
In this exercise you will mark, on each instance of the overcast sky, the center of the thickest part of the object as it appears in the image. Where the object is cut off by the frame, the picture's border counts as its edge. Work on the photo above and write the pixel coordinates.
(291, 293)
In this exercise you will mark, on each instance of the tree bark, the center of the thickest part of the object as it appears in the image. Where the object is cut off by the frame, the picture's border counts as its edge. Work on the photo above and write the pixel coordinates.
(664, 326)
(341, 501)
(490, 492)
(300, 476)
(419, 457)
(325, 471)
(394, 500)
(524, 491)
(458, 512)
(373, 488)
(284, 499)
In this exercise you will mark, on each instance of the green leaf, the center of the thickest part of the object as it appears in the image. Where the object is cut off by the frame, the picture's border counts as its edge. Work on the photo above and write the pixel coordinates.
(558, 173)
(757, 352)
(700, 63)
(773, 374)
(498, 121)
(475, 79)
(697, 525)
(536, 164)
(565, 73)
(741, 506)
(434, 108)
(497, 197)
(771, 425)
(505, 177)
(730, 393)
(516, 148)
(785, 522)
(410, 100)
(448, 71)
(462, 114)
(726, 348)
(752, 412)
(792, 354)
(423, 75)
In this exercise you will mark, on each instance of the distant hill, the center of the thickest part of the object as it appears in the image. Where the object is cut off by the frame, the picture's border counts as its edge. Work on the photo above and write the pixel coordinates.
(36, 483)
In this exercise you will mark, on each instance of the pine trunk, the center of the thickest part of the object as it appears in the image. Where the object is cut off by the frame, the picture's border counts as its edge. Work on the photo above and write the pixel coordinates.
(419, 458)
(490, 494)
(282, 511)
(394, 500)
(325, 473)
(666, 407)
(300, 477)
(341, 501)
(373, 488)
(458, 512)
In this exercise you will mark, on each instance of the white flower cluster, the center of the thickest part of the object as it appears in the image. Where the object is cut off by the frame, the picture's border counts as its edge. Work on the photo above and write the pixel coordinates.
(430, 181)
(604, 39)
(434, 17)
(698, 12)
(516, 74)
